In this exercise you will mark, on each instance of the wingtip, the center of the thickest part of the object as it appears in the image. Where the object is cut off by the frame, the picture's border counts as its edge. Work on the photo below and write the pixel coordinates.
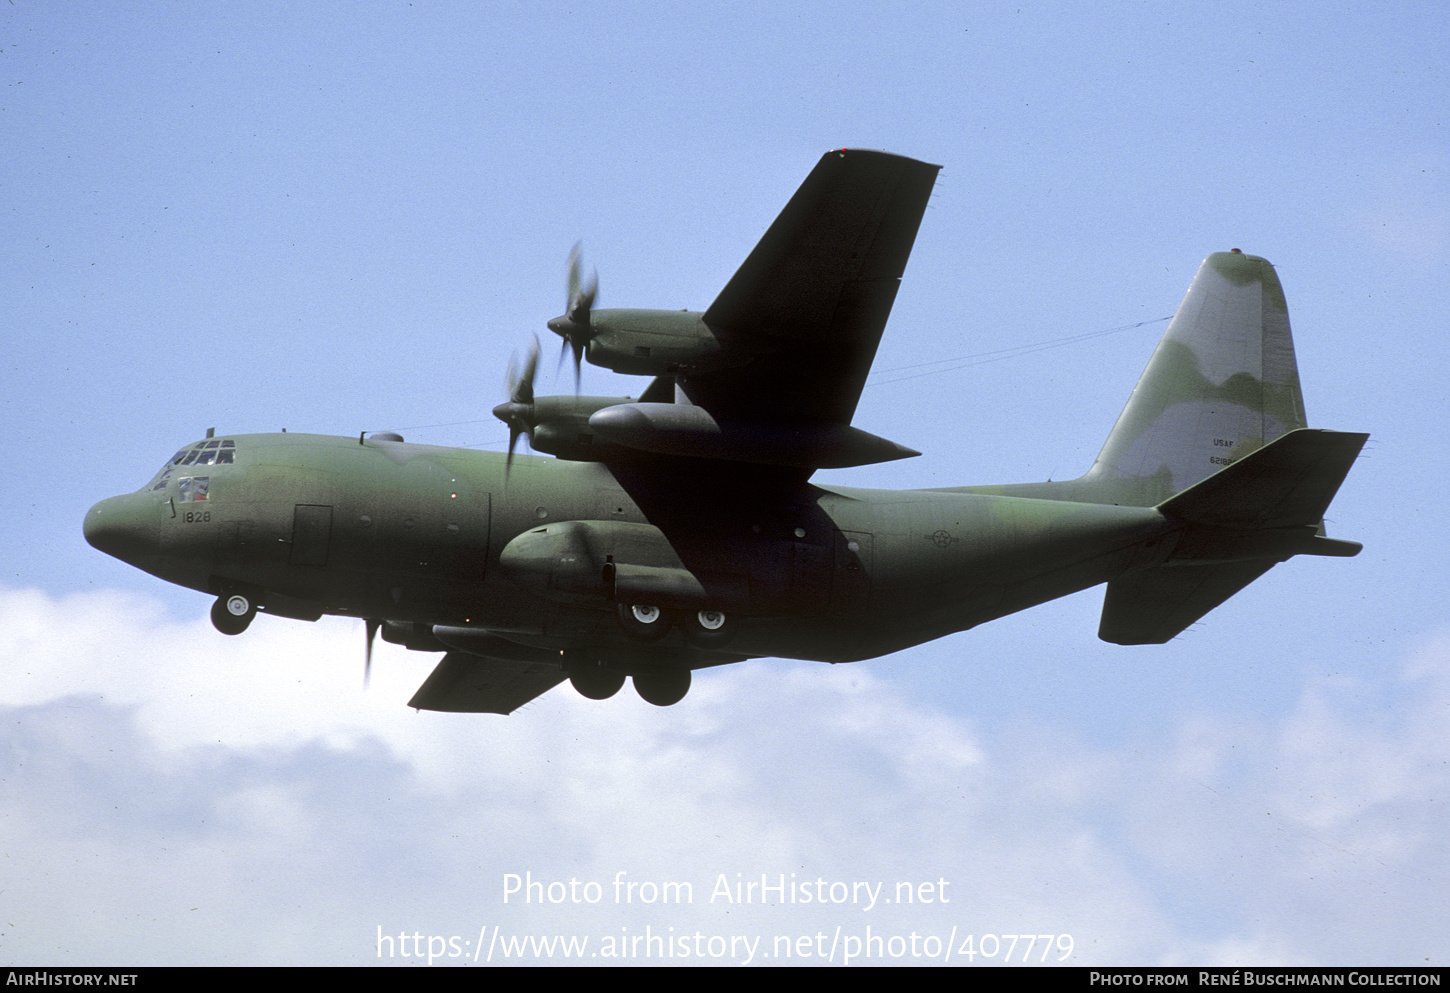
(877, 153)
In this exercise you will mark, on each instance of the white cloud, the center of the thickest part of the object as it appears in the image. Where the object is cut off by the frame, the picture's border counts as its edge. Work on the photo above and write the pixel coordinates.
(171, 795)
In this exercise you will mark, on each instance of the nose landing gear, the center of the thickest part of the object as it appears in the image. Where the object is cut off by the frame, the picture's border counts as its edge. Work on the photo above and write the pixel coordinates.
(232, 613)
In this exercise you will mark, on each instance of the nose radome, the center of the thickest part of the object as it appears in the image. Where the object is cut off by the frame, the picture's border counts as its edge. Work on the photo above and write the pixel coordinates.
(124, 526)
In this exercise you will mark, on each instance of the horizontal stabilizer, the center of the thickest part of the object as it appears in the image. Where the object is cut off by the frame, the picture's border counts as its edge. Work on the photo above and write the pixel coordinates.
(1152, 606)
(1241, 521)
(1287, 483)
(470, 684)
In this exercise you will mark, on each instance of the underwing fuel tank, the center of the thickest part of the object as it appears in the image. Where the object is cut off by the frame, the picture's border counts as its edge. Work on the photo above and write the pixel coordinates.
(615, 560)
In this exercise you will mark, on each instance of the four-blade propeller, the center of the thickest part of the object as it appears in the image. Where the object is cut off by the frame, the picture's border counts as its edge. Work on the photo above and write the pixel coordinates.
(518, 412)
(573, 326)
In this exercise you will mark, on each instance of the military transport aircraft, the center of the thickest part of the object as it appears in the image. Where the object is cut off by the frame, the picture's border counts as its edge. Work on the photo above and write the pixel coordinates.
(679, 530)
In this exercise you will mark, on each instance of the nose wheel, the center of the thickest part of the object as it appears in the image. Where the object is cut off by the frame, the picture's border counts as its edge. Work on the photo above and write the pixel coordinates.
(232, 613)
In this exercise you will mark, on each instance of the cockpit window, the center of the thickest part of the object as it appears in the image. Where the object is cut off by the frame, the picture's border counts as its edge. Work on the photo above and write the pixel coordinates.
(206, 452)
(216, 451)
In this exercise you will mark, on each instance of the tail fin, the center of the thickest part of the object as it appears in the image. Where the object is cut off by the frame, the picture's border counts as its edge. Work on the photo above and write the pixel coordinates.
(1212, 436)
(1222, 384)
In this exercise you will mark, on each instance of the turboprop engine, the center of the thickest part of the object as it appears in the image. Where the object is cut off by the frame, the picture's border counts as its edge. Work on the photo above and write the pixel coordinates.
(639, 342)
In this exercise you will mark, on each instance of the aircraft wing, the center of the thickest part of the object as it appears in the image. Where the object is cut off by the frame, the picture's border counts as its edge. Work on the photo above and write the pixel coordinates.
(470, 684)
(815, 293)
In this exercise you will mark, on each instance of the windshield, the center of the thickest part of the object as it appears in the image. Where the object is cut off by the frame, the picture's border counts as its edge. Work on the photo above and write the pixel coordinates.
(213, 451)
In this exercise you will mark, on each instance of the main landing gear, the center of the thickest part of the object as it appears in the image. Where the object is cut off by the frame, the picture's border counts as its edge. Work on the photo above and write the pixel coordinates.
(233, 612)
(644, 622)
(708, 628)
(593, 679)
(663, 687)
(705, 628)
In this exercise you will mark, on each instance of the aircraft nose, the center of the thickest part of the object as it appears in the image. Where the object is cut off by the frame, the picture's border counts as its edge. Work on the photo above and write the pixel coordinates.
(128, 527)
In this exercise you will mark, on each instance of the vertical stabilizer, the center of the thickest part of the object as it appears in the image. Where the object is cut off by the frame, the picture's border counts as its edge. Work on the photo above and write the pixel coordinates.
(1222, 384)
(1214, 437)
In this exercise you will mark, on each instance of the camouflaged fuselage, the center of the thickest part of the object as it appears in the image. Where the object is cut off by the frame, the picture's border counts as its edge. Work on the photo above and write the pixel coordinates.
(415, 532)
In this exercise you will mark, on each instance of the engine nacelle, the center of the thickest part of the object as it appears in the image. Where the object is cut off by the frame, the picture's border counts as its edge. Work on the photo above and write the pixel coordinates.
(659, 343)
(560, 427)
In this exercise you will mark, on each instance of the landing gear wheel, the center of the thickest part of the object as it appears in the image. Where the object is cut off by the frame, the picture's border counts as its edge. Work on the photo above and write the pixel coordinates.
(708, 628)
(232, 613)
(663, 687)
(643, 621)
(594, 681)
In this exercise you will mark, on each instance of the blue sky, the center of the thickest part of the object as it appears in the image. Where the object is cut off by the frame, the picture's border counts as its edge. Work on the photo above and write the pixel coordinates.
(281, 216)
